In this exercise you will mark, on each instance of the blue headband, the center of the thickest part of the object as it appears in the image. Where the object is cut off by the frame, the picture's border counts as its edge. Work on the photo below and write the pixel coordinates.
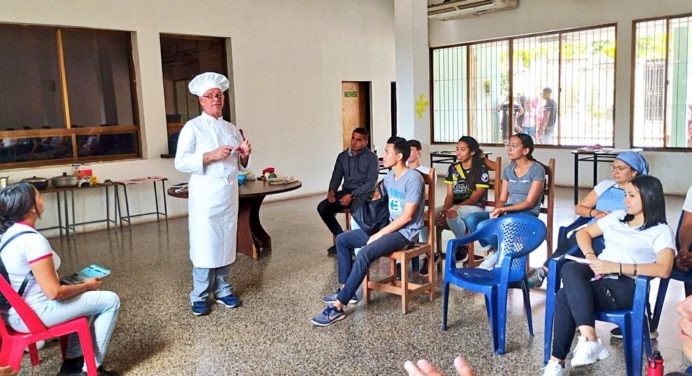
(636, 161)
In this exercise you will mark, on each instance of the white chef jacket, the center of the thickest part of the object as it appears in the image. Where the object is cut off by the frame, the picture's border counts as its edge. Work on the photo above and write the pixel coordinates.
(213, 189)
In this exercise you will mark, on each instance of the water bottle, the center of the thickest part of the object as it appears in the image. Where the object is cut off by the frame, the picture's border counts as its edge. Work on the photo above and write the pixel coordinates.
(655, 367)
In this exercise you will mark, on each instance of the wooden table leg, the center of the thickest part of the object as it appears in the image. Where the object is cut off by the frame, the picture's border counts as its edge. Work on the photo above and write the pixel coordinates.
(252, 239)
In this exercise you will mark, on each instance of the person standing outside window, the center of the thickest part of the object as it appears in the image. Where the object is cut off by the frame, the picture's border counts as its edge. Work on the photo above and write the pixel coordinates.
(213, 151)
(546, 128)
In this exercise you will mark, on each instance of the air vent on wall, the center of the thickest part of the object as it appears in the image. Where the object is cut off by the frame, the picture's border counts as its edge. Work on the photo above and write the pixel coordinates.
(451, 9)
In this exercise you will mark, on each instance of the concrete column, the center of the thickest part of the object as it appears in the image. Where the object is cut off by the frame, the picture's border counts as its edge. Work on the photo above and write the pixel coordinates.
(412, 72)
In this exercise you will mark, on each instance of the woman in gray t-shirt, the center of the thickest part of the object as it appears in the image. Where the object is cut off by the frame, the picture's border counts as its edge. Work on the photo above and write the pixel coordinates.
(521, 192)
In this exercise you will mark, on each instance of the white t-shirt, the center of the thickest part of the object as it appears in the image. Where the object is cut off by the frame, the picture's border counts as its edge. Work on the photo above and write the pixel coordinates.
(629, 245)
(20, 254)
(603, 186)
(687, 205)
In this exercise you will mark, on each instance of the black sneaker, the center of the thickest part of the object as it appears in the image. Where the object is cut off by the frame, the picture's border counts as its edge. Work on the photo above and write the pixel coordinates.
(71, 366)
(617, 333)
(424, 267)
(461, 253)
(103, 372)
(331, 250)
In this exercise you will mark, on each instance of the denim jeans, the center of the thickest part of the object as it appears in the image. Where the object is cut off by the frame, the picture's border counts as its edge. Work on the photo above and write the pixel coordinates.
(472, 222)
(351, 274)
(214, 279)
(458, 224)
(101, 306)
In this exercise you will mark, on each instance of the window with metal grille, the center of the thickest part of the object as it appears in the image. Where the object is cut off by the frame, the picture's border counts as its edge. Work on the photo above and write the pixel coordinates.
(557, 87)
(662, 93)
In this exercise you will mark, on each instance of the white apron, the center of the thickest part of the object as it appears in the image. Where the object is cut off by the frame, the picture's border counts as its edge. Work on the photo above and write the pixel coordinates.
(213, 190)
(213, 207)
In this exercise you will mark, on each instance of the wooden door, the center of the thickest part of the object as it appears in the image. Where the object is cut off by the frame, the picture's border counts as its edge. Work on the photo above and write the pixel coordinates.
(355, 108)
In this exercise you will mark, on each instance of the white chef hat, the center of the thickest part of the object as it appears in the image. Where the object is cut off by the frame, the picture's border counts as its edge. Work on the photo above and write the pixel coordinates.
(205, 81)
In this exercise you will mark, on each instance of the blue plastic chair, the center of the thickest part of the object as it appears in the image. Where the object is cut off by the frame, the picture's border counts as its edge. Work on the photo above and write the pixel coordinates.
(518, 235)
(633, 323)
(676, 274)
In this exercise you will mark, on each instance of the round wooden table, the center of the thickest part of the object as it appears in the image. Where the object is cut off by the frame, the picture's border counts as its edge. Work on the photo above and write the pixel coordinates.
(252, 239)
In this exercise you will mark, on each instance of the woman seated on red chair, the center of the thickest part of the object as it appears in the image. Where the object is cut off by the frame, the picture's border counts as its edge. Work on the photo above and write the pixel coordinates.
(637, 242)
(21, 205)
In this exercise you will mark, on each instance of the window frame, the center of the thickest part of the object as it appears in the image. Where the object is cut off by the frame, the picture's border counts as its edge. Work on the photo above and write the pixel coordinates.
(633, 61)
(510, 40)
(68, 131)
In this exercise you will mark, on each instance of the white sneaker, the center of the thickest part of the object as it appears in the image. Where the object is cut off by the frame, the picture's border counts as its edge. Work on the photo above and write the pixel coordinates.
(588, 352)
(489, 262)
(580, 341)
(553, 368)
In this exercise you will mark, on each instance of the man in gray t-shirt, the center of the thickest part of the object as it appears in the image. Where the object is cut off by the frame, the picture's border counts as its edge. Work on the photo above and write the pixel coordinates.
(408, 189)
(404, 188)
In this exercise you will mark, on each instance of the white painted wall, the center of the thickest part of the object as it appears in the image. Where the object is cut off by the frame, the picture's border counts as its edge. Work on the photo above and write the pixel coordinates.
(288, 61)
(533, 16)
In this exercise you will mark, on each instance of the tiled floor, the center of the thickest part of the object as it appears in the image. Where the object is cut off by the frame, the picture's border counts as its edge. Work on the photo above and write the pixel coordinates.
(272, 334)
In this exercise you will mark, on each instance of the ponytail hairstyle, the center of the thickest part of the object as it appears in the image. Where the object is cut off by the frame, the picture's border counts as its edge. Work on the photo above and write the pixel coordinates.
(527, 142)
(16, 201)
(474, 176)
(653, 201)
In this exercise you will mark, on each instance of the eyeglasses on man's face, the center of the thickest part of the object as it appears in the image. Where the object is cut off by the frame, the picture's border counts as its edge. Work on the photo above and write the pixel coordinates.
(218, 96)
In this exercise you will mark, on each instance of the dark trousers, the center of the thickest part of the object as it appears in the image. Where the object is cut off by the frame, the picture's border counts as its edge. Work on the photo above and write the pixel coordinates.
(579, 299)
(351, 273)
(328, 212)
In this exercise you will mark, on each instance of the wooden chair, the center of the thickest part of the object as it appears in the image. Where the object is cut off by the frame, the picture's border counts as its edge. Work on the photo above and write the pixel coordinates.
(495, 184)
(548, 204)
(347, 212)
(404, 288)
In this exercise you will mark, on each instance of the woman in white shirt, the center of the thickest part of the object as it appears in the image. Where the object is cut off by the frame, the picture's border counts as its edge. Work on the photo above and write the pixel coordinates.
(29, 256)
(637, 242)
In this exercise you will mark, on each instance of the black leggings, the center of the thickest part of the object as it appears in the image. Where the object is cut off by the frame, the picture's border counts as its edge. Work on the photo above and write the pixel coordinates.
(579, 299)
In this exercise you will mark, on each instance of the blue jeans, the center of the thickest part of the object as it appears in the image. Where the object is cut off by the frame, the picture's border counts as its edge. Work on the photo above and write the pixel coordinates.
(351, 274)
(213, 279)
(458, 224)
(101, 306)
(475, 219)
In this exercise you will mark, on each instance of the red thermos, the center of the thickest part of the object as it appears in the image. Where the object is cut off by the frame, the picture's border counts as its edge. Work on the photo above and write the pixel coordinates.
(655, 367)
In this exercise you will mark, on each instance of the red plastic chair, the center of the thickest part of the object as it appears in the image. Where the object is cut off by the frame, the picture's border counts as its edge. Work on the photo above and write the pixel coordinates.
(14, 343)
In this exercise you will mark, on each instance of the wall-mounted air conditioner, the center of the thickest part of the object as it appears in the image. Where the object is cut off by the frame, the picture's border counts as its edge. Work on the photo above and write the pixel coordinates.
(450, 9)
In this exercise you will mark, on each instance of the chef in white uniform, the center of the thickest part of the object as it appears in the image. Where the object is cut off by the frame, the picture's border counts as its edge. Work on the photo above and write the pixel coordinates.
(213, 151)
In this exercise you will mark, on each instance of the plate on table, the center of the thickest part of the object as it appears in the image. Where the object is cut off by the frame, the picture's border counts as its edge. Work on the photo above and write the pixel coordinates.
(282, 180)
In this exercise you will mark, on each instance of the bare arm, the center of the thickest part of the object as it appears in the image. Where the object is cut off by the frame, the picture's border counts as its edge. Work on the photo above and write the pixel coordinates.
(661, 268)
(531, 198)
(585, 207)
(47, 278)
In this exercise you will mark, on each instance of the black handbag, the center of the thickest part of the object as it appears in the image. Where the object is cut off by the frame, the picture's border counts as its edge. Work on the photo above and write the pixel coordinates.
(372, 215)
